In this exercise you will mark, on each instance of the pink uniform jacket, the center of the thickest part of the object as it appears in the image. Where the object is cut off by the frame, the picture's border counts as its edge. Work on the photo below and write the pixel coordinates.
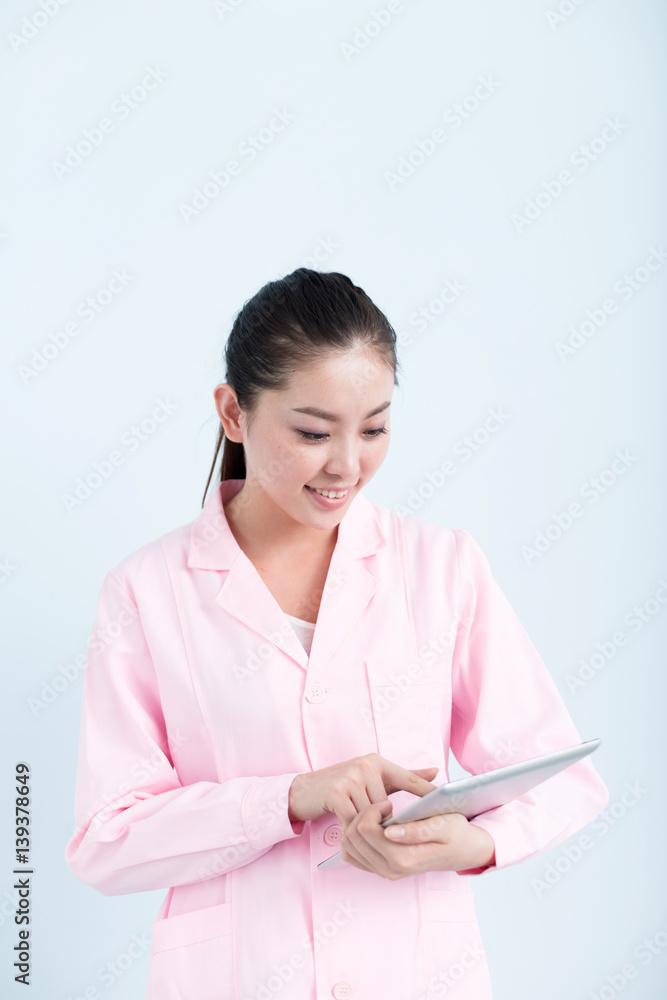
(200, 706)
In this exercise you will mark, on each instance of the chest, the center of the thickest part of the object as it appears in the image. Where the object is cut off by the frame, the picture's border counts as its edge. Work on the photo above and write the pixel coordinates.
(296, 585)
(237, 686)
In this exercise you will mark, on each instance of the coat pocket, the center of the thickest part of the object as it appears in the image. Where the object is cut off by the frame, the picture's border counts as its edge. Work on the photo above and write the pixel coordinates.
(455, 962)
(191, 955)
(407, 708)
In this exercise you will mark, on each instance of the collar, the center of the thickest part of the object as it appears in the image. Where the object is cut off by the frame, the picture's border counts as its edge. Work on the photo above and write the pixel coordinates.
(213, 545)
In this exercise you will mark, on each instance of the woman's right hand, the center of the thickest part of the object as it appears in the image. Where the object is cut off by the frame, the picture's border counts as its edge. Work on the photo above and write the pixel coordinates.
(347, 788)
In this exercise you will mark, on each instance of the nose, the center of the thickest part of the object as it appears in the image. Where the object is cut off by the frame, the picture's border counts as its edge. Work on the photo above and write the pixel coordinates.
(343, 462)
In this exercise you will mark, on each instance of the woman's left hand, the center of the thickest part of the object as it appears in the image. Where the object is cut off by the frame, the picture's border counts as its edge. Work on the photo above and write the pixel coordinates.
(448, 842)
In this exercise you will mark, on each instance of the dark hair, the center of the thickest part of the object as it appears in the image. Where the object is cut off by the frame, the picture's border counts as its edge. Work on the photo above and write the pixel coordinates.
(288, 324)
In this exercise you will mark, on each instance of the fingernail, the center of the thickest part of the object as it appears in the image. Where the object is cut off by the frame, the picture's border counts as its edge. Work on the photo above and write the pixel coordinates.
(395, 831)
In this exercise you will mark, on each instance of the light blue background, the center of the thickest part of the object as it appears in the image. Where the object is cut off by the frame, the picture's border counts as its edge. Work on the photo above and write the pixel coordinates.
(322, 182)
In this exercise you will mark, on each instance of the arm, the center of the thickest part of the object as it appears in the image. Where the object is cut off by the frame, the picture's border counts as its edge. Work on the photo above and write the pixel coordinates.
(506, 708)
(137, 827)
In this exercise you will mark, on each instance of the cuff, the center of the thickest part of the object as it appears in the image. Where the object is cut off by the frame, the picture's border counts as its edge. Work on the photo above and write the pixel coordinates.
(265, 812)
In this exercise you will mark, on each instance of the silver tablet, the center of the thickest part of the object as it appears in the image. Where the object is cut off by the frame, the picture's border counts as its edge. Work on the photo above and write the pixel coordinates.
(481, 792)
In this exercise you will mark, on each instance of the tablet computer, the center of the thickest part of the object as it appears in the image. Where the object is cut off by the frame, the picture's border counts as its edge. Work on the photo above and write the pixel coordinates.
(480, 792)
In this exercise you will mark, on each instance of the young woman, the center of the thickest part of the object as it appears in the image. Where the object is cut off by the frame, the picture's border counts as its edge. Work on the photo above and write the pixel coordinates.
(260, 680)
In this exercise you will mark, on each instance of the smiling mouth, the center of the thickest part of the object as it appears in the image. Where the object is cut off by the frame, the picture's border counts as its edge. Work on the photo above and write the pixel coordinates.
(332, 494)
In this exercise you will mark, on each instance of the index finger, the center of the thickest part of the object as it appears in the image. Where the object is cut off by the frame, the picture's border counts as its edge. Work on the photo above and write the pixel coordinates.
(399, 778)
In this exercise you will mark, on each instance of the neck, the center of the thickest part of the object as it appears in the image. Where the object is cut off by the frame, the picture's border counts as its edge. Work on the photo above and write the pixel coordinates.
(260, 526)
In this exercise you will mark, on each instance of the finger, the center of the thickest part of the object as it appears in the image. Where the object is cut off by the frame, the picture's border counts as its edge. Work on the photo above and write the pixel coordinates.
(435, 829)
(397, 778)
(427, 773)
(373, 791)
(354, 803)
(359, 843)
(353, 847)
(374, 795)
(344, 809)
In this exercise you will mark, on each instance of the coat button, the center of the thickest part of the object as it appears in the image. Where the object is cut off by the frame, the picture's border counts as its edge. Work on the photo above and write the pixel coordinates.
(342, 990)
(332, 834)
(316, 693)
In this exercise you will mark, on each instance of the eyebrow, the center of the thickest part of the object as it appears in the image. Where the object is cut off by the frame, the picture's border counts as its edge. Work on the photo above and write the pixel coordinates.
(324, 415)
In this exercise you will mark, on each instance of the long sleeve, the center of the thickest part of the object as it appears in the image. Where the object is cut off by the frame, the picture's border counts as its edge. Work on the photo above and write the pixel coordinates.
(506, 708)
(137, 827)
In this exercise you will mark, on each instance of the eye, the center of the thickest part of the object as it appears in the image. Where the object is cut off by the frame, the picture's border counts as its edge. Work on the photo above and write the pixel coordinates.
(310, 436)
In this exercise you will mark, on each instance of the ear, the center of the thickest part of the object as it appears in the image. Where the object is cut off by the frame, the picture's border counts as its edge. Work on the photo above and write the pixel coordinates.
(226, 403)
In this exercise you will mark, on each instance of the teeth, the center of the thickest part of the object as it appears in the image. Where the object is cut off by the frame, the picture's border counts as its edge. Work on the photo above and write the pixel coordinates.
(331, 494)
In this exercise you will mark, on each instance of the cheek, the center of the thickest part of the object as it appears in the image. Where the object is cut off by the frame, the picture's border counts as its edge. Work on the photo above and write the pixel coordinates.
(300, 464)
(281, 454)
(377, 456)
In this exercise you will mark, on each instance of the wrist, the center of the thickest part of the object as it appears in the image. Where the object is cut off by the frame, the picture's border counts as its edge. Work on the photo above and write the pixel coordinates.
(484, 852)
(292, 800)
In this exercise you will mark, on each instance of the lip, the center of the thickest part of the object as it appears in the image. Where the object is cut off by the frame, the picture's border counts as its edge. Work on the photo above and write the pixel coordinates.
(326, 502)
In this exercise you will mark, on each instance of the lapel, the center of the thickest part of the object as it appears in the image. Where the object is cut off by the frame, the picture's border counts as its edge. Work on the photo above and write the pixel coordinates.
(348, 589)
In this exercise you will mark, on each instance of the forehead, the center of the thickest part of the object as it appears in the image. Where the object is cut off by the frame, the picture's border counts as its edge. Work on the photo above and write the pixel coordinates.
(356, 376)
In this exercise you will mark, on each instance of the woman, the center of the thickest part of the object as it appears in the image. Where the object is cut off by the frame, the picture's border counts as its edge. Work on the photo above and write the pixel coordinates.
(262, 678)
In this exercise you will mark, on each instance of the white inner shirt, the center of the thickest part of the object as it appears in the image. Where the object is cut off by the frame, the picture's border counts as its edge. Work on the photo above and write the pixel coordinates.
(304, 631)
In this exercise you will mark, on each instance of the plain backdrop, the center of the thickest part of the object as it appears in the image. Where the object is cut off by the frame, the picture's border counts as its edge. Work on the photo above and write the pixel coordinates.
(492, 174)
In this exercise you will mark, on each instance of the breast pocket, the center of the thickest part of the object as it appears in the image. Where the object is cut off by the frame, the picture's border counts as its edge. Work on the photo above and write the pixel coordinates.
(191, 955)
(407, 704)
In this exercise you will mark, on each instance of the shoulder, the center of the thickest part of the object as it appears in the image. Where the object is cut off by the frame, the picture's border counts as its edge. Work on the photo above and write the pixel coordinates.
(426, 543)
(417, 535)
(417, 531)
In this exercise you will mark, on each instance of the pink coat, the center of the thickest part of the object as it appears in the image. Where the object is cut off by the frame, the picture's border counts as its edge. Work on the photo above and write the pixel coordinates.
(200, 706)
